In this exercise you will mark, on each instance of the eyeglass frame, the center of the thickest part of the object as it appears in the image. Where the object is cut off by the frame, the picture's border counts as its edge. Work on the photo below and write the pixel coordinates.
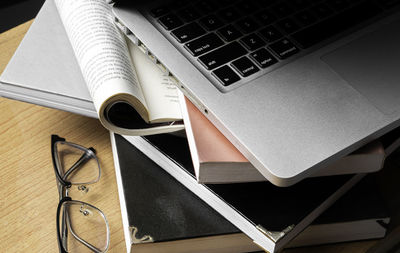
(63, 185)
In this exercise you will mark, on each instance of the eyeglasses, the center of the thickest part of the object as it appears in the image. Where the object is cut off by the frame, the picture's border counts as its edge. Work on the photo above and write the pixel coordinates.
(77, 165)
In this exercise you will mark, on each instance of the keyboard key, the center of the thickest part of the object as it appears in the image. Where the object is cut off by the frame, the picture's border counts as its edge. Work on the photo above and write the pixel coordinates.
(229, 33)
(159, 11)
(225, 75)
(284, 48)
(246, 7)
(222, 55)
(229, 14)
(177, 4)
(170, 21)
(388, 3)
(247, 25)
(204, 44)
(264, 17)
(224, 3)
(338, 5)
(188, 32)
(188, 14)
(256, 3)
(300, 4)
(322, 11)
(288, 25)
(282, 10)
(205, 6)
(263, 58)
(211, 22)
(305, 18)
(336, 24)
(252, 42)
(266, 3)
(244, 66)
(270, 33)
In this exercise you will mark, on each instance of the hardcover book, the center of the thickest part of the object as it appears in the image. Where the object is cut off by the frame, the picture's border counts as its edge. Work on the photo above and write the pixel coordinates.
(271, 216)
(160, 214)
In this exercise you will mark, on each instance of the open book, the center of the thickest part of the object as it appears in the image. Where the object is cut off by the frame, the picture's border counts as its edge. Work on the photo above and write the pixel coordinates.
(131, 99)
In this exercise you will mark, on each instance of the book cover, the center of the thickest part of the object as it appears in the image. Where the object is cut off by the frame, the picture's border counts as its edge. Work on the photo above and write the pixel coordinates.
(254, 208)
(360, 214)
(161, 215)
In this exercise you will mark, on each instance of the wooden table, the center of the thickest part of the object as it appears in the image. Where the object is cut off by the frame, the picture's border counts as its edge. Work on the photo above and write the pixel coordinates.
(28, 189)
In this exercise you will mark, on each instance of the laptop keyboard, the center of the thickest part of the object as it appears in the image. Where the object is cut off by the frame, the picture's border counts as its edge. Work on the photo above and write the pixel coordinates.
(236, 39)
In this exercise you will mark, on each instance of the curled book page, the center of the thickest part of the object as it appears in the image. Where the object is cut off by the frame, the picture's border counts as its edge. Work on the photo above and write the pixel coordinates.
(103, 56)
(160, 93)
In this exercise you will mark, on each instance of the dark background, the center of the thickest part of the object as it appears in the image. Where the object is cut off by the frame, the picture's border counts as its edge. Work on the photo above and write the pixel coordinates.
(15, 12)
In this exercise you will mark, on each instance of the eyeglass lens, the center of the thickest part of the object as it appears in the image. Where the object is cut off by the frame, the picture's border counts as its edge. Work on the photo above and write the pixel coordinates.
(77, 165)
(87, 227)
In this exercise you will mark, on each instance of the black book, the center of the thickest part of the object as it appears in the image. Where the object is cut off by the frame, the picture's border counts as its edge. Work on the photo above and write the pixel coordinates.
(158, 209)
(360, 214)
(161, 215)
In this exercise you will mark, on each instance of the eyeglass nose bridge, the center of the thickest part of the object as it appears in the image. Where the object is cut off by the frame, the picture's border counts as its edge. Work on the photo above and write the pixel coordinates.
(83, 189)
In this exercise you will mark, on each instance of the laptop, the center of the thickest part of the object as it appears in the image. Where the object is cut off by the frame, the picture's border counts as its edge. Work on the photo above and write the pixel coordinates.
(294, 85)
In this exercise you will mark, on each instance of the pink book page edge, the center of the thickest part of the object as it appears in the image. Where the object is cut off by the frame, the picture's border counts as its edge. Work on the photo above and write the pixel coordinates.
(211, 144)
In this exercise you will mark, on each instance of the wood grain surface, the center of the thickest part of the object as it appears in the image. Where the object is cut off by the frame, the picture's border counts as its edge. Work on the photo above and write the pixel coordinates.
(28, 189)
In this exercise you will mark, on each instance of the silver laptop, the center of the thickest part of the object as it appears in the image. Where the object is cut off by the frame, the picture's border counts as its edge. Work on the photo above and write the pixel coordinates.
(294, 85)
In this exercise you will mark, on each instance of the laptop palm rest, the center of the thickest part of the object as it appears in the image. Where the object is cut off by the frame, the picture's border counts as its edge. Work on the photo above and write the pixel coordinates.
(371, 64)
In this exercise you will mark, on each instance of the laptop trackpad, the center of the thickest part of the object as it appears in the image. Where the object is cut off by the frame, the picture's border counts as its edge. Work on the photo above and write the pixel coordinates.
(371, 64)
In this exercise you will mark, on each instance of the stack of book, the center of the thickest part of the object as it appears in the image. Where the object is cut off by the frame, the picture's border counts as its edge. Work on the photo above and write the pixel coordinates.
(160, 214)
(183, 186)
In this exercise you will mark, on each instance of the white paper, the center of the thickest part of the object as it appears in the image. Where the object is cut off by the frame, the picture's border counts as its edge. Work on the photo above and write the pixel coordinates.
(106, 64)
(160, 93)
(100, 49)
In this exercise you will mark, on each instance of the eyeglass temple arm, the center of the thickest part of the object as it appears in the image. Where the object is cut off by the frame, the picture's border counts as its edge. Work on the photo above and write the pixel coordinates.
(64, 229)
(61, 238)
(81, 161)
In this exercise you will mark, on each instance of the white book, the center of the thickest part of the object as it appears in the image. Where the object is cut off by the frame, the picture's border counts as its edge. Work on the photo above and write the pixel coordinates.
(58, 66)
